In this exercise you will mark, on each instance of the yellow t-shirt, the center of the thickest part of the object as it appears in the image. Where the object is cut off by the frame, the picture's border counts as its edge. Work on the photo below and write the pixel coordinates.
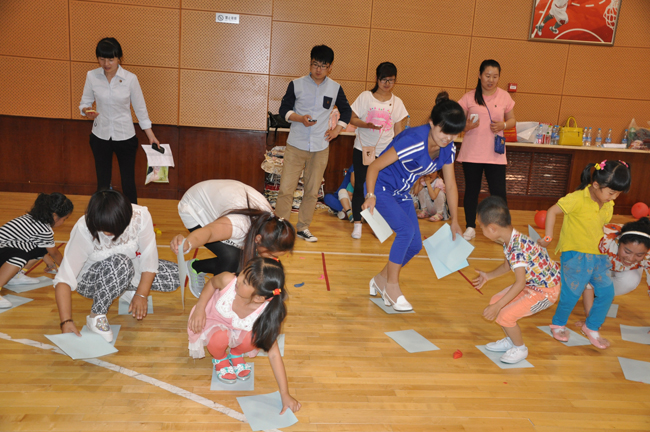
(583, 223)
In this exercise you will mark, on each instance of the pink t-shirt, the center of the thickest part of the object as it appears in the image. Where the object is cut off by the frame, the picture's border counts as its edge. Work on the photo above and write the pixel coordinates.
(478, 143)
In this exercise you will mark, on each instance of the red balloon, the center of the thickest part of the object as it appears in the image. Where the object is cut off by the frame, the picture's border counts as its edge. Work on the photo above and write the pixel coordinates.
(540, 219)
(639, 210)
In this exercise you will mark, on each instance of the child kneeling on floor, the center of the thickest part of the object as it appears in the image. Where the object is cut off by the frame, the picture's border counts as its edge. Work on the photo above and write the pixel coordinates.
(242, 312)
(537, 278)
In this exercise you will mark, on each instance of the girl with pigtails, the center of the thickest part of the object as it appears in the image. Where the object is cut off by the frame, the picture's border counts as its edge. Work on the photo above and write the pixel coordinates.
(242, 313)
(586, 211)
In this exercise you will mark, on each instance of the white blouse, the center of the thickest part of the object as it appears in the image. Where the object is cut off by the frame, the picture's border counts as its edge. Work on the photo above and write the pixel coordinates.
(114, 102)
(137, 242)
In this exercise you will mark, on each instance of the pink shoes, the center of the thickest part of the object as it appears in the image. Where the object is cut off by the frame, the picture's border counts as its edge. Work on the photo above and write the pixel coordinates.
(560, 333)
(594, 337)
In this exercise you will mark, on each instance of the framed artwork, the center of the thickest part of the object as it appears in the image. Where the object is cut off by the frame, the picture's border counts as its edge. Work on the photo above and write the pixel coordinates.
(575, 21)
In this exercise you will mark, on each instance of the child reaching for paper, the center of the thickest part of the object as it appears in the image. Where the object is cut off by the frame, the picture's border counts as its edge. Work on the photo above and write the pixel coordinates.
(537, 278)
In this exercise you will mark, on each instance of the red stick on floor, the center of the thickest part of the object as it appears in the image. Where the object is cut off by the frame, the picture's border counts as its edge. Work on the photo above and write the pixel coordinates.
(470, 282)
(327, 279)
(40, 261)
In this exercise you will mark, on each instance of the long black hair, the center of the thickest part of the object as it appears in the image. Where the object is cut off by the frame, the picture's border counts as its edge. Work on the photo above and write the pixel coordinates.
(608, 173)
(48, 205)
(108, 211)
(266, 275)
(448, 114)
(643, 226)
(384, 70)
(478, 95)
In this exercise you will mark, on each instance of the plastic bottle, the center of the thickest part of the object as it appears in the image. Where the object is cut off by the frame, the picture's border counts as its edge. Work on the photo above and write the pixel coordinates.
(624, 141)
(408, 122)
(608, 139)
(584, 136)
(589, 137)
(555, 136)
(599, 138)
(547, 136)
(539, 135)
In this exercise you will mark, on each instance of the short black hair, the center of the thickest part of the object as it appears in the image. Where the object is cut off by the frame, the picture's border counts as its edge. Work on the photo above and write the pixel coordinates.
(108, 211)
(323, 54)
(108, 48)
(494, 210)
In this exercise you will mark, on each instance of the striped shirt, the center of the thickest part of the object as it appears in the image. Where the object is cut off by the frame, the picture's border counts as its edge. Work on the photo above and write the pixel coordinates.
(26, 233)
(412, 147)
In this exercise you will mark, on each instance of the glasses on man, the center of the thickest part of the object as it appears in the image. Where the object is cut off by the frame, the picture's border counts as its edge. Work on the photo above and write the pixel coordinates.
(387, 80)
(320, 66)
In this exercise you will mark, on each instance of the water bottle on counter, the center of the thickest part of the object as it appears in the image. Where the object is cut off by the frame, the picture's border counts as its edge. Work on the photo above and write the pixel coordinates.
(408, 122)
(588, 141)
(539, 134)
(555, 136)
(584, 137)
(608, 139)
(599, 138)
(624, 141)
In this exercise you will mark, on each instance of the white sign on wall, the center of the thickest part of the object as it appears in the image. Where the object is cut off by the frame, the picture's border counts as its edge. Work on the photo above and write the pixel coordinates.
(227, 18)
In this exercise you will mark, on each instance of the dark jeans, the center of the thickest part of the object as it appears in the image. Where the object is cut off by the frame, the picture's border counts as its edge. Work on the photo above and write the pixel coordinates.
(227, 259)
(360, 171)
(496, 179)
(126, 152)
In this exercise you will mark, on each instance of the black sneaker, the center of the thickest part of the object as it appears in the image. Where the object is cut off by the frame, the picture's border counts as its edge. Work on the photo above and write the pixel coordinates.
(307, 236)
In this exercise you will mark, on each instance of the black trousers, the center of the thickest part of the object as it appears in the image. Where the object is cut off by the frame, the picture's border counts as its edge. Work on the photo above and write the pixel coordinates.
(227, 259)
(360, 171)
(496, 180)
(126, 152)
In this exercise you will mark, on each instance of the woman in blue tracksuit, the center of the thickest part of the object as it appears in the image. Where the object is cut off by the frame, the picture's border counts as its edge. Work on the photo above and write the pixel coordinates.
(413, 153)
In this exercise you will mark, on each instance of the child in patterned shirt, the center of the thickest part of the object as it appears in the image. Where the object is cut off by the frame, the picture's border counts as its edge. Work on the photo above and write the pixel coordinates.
(537, 278)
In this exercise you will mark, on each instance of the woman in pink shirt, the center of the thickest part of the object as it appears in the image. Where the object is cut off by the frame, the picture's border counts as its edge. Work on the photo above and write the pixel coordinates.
(489, 111)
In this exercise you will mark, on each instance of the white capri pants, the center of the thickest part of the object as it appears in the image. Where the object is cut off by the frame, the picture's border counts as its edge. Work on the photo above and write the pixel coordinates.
(625, 281)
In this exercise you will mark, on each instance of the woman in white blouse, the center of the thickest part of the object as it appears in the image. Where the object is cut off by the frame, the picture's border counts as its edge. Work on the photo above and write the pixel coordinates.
(114, 90)
(112, 249)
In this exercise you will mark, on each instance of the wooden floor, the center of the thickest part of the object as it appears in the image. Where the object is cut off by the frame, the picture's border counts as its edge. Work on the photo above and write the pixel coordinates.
(348, 375)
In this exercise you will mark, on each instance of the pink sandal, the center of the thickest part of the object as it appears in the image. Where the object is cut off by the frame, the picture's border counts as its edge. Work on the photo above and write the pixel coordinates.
(594, 338)
(560, 333)
(436, 217)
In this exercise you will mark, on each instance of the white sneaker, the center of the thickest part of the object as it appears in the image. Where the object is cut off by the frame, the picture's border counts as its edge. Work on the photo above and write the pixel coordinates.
(307, 236)
(514, 355)
(100, 325)
(502, 345)
(22, 279)
(341, 215)
(356, 232)
(469, 233)
(4, 303)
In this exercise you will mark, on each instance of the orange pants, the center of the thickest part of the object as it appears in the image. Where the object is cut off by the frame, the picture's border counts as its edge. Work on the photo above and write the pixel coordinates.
(527, 303)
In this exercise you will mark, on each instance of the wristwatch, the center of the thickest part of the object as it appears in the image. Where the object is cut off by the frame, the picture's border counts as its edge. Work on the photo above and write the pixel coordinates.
(371, 195)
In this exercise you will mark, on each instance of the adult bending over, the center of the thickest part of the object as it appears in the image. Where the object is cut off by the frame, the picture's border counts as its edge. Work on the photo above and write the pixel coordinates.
(413, 153)
(114, 90)
(112, 249)
(489, 111)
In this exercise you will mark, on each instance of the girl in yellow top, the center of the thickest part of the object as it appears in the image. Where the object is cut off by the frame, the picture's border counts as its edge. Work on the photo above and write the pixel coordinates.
(586, 211)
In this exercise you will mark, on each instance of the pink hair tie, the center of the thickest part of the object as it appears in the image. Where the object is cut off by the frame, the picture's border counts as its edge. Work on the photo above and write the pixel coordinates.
(600, 166)
(624, 163)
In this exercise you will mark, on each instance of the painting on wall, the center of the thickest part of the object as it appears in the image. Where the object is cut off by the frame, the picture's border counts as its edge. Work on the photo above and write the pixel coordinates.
(575, 21)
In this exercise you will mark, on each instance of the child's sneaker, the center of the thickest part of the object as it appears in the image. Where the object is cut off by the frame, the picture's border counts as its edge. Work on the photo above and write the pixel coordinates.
(502, 345)
(356, 232)
(341, 215)
(514, 355)
(350, 216)
(22, 279)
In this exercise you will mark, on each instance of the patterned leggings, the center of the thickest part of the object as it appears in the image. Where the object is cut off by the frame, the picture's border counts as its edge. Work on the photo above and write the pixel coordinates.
(108, 279)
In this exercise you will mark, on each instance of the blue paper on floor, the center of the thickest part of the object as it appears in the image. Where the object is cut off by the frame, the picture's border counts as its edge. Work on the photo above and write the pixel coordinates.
(635, 370)
(248, 385)
(635, 334)
(15, 301)
(575, 339)
(388, 309)
(115, 328)
(43, 281)
(447, 256)
(613, 311)
(123, 307)
(412, 341)
(533, 235)
(378, 224)
(280, 346)
(495, 356)
(263, 412)
(89, 345)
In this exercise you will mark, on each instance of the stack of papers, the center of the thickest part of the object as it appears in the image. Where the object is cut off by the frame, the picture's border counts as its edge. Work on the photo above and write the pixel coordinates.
(446, 255)
(378, 224)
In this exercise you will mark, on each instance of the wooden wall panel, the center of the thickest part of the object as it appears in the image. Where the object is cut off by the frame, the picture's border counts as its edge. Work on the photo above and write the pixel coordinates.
(536, 107)
(277, 89)
(159, 3)
(441, 16)
(255, 7)
(631, 25)
(148, 36)
(334, 12)
(243, 47)
(419, 100)
(624, 74)
(605, 113)
(224, 100)
(33, 28)
(535, 67)
(33, 87)
(292, 44)
(491, 19)
(416, 65)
